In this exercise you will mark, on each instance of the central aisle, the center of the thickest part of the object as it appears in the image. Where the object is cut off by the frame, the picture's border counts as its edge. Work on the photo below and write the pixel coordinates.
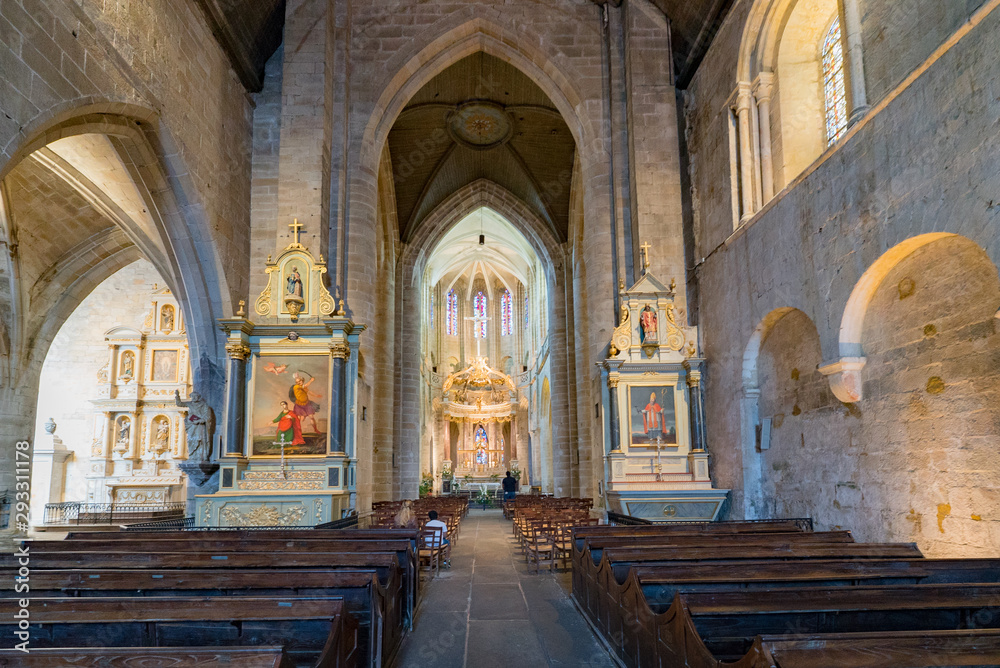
(489, 609)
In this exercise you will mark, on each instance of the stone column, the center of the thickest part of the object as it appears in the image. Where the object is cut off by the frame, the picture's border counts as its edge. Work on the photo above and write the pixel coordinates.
(743, 100)
(236, 398)
(762, 91)
(613, 408)
(338, 397)
(696, 409)
(850, 33)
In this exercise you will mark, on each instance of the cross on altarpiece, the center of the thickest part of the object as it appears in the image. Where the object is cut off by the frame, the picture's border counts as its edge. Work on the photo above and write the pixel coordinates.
(296, 228)
(477, 319)
(644, 249)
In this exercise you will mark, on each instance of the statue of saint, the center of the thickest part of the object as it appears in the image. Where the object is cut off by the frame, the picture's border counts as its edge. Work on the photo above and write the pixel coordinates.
(199, 426)
(123, 432)
(160, 441)
(128, 363)
(167, 318)
(647, 320)
(294, 281)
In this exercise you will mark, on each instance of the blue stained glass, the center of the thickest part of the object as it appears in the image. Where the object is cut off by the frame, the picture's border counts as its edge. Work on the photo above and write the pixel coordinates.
(834, 90)
(479, 309)
(452, 315)
(507, 314)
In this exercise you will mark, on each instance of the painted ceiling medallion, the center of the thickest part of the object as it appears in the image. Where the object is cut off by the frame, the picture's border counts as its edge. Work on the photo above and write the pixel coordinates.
(480, 124)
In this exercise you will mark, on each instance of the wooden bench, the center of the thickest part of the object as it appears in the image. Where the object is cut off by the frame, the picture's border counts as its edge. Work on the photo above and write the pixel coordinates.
(313, 631)
(148, 657)
(378, 603)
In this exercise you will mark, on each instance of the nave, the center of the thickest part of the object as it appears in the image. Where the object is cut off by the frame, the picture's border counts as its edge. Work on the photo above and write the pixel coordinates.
(491, 609)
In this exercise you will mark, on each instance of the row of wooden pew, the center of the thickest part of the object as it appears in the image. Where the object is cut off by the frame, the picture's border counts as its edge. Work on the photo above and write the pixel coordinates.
(285, 597)
(776, 595)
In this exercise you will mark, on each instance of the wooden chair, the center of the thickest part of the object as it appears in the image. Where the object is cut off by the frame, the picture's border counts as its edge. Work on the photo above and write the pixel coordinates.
(431, 547)
(540, 546)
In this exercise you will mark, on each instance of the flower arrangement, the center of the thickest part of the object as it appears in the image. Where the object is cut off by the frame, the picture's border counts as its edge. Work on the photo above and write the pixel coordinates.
(484, 498)
(516, 474)
(495, 477)
(426, 484)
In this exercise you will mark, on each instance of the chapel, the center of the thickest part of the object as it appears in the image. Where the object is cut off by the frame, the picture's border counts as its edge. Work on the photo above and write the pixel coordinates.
(286, 264)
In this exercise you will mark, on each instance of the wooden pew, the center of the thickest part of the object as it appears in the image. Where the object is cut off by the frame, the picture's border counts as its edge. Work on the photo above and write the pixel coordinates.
(378, 603)
(131, 550)
(148, 657)
(898, 649)
(313, 631)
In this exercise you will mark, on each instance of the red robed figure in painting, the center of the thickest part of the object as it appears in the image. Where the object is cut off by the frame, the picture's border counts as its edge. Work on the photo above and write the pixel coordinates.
(289, 426)
(652, 416)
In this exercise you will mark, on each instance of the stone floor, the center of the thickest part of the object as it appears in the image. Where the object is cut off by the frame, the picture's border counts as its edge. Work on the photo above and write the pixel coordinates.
(490, 609)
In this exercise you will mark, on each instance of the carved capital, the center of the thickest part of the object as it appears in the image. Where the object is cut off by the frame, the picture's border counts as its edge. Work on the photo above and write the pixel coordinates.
(763, 86)
(340, 350)
(744, 97)
(238, 351)
(612, 381)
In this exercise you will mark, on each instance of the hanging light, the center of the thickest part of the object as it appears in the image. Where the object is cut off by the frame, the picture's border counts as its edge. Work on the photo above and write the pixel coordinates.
(482, 237)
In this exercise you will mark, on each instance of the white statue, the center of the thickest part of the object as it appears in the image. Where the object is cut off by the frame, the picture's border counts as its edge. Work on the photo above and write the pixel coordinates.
(199, 425)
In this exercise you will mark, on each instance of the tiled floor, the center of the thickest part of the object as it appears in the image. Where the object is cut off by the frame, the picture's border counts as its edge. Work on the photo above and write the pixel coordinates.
(490, 609)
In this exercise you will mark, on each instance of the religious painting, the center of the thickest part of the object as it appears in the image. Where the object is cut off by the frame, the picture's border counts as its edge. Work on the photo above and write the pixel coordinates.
(652, 418)
(165, 366)
(290, 408)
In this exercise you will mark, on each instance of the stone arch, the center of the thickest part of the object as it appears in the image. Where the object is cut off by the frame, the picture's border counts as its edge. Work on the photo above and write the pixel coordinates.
(845, 373)
(189, 261)
(753, 491)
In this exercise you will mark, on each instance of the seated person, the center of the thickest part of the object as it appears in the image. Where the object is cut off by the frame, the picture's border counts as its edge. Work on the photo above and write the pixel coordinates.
(435, 523)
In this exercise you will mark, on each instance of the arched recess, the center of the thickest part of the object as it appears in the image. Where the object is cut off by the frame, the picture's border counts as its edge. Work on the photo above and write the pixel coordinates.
(410, 301)
(753, 491)
(176, 238)
(845, 373)
(778, 108)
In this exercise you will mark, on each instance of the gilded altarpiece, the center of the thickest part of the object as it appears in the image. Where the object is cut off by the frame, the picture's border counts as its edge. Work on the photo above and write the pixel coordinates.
(656, 466)
(291, 412)
(139, 438)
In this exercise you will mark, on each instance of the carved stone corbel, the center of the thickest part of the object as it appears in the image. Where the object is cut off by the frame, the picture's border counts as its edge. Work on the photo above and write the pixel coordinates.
(845, 378)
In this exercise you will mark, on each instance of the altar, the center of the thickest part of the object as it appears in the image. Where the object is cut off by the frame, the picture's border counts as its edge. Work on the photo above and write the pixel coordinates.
(291, 411)
(657, 463)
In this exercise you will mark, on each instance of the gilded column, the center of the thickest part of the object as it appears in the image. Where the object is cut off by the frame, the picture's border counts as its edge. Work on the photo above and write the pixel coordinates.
(762, 91)
(236, 397)
(338, 397)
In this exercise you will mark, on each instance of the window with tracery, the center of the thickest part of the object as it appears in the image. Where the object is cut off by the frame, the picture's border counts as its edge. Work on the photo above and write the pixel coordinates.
(451, 326)
(431, 309)
(479, 310)
(481, 443)
(526, 313)
(834, 91)
(506, 314)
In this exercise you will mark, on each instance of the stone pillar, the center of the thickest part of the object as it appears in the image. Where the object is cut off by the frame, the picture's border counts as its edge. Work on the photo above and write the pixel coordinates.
(743, 99)
(762, 91)
(696, 409)
(850, 34)
(338, 397)
(236, 399)
(49, 474)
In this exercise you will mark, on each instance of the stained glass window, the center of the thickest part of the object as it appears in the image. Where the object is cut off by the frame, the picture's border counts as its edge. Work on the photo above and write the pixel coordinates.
(481, 442)
(452, 315)
(526, 313)
(479, 309)
(833, 83)
(507, 314)
(432, 309)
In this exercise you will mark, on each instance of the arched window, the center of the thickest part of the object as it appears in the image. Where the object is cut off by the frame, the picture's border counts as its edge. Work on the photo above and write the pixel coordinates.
(526, 313)
(834, 93)
(506, 314)
(431, 309)
(481, 442)
(452, 316)
(479, 310)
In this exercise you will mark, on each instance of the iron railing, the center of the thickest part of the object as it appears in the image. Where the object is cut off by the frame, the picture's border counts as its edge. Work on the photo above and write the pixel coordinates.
(616, 519)
(74, 512)
(178, 524)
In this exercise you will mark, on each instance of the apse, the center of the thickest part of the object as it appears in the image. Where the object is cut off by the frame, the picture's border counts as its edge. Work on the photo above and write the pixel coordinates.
(484, 335)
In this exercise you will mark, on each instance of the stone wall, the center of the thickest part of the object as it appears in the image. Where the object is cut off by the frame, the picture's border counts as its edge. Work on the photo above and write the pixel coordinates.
(924, 160)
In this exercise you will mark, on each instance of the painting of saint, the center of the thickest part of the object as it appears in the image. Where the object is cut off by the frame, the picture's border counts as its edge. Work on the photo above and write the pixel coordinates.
(289, 426)
(652, 417)
(165, 365)
(296, 385)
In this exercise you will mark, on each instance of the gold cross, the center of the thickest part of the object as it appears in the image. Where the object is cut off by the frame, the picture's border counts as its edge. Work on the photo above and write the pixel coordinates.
(296, 227)
(645, 255)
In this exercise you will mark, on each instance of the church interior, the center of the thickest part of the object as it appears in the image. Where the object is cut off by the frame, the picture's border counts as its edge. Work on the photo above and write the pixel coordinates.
(614, 288)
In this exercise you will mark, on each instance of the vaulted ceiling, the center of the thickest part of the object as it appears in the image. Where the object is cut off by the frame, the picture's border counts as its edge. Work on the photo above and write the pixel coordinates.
(481, 118)
(249, 31)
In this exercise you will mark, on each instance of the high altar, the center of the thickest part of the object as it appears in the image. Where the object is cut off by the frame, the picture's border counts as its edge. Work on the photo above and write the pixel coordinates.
(290, 411)
(656, 465)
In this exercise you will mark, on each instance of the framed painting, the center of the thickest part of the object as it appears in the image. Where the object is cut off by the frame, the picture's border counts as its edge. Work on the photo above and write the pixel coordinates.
(165, 366)
(290, 405)
(652, 415)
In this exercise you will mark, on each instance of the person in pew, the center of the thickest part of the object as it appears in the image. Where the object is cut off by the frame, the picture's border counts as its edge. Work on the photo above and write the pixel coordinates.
(435, 523)
(405, 519)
